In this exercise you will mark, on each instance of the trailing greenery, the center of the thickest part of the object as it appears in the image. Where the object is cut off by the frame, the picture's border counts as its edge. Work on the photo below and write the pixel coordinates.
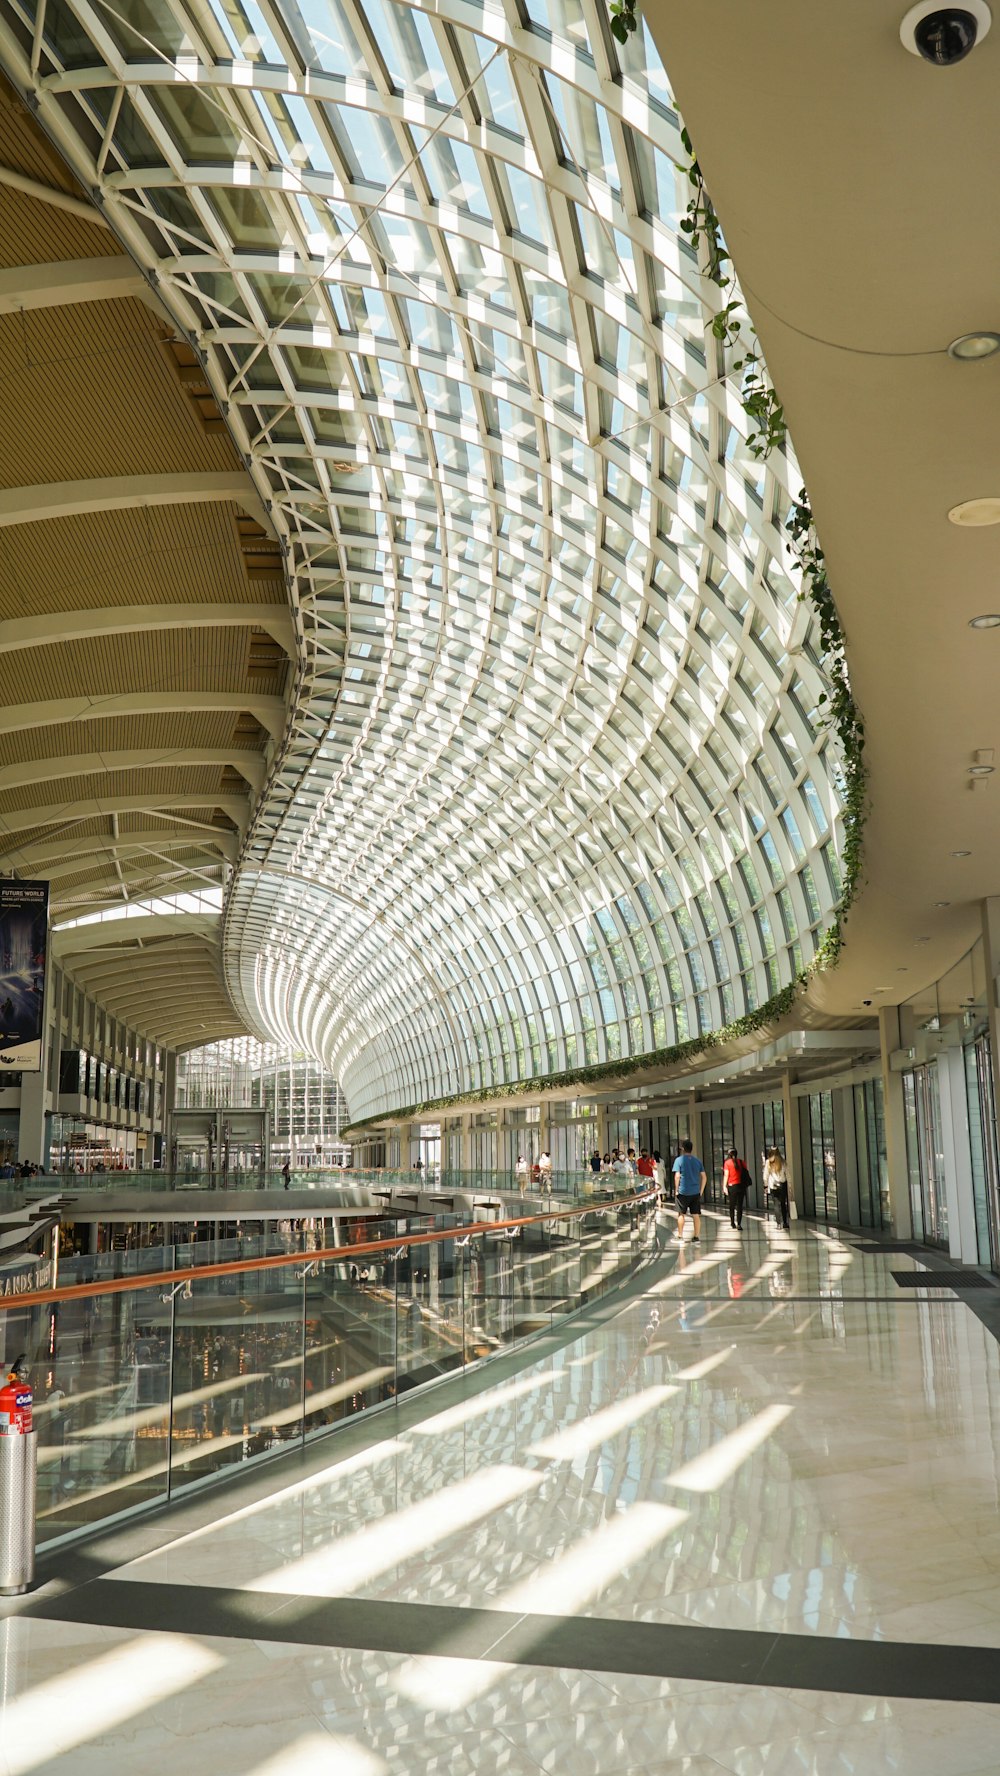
(839, 712)
(624, 19)
(776, 1007)
(732, 325)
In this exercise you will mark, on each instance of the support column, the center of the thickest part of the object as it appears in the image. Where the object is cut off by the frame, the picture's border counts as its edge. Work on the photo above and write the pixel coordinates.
(31, 1140)
(845, 1145)
(602, 1129)
(991, 957)
(962, 1242)
(895, 1125)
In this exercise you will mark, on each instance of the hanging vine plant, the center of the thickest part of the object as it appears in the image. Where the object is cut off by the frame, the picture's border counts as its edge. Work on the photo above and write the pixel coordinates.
(838, 711)
(732, 324)
(624, 19)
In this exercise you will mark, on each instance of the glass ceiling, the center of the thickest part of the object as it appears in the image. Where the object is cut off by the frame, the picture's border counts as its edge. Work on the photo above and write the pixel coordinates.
(552, 792)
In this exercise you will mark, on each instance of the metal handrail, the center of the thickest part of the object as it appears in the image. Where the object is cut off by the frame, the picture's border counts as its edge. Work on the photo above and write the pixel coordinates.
(327, 1254)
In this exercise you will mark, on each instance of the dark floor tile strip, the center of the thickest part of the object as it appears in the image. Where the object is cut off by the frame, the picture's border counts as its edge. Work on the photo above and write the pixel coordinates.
(582, 1643)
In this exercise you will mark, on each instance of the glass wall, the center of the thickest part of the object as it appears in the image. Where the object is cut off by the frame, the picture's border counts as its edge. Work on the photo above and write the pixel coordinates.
(983, 1143)
(819, 1157)
(925, 1155)
(306, 1104)
(948, 1095)
(719, 1136)
(873, 1169)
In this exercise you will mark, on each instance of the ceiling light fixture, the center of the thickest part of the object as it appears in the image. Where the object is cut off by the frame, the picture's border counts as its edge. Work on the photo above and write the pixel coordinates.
(942, 903)
(972, 514)
(971, 348)
(961, 853)
(990, 620)
(981, 770)
(920, 940)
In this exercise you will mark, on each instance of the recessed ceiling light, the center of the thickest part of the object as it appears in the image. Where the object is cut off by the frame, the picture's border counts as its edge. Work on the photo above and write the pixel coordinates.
(922, 940)
(903, 970)
(970, 514)
(961, 853)
(968, 348)
(991, 620)
(981, 770)
(940, 903)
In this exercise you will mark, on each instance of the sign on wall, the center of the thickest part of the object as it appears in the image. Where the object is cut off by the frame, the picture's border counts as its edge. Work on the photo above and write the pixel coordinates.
(24, 926)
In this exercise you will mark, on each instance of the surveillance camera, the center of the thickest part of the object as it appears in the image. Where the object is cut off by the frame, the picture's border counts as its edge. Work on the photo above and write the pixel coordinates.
(944, 35)
(867, 1002)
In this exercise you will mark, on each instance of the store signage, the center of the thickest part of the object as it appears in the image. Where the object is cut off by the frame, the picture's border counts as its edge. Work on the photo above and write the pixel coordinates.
(24, 924)
(20, 1282)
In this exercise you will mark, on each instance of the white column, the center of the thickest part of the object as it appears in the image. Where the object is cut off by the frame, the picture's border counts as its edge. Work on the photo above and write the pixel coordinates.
(895, 1126)
(962, 1242)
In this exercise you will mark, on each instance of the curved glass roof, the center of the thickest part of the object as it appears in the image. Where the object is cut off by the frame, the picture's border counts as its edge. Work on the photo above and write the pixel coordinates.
(552, 792)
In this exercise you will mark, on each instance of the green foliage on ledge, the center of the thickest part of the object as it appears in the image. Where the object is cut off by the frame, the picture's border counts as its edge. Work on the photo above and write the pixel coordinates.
(768, 1013)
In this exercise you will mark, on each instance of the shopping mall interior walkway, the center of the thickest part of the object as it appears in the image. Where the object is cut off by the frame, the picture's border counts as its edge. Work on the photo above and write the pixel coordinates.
(742, 1517)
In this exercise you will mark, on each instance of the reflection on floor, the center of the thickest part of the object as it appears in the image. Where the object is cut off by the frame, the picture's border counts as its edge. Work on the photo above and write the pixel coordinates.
(745, 1522)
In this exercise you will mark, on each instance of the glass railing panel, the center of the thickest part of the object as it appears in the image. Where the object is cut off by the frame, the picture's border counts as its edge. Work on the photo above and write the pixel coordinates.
(430, 1302)
(238, 1370)
(350, 1340)
(102, 1391)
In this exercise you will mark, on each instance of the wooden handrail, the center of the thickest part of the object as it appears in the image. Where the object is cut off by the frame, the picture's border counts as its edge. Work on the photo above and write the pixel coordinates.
(326, 1255)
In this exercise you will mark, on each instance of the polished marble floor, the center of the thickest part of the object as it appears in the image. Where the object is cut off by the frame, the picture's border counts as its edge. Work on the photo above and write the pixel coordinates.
(744, 1518)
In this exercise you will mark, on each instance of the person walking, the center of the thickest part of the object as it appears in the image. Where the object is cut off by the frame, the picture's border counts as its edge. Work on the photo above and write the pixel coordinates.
(286, 1173)
(521, 1174)
(659, 1172)
(545, 1173)
(736, 1181)
(689, 1182)
(776, 1185)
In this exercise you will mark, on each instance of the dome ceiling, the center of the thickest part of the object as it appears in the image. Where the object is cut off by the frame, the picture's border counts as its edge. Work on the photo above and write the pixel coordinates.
(552, 790)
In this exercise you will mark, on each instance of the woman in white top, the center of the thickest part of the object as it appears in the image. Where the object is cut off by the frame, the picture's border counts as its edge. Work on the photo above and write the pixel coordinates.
(521, 1174)
(545, 1173)
(659, 1172)
(776, 1184)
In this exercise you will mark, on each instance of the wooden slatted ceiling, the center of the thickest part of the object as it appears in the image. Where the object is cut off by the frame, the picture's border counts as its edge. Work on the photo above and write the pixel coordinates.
(205, 780)
(197, 966)
(159, 735)
(108, 355)
(89, 391)
(144, 823)
(88, 562)
(154, 660)
(25, 225)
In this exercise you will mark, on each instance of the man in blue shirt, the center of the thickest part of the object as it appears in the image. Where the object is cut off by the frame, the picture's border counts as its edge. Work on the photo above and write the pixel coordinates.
(689, 1182)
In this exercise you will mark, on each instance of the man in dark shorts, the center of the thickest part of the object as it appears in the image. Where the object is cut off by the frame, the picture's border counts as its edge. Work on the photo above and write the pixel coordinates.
(689, 1181)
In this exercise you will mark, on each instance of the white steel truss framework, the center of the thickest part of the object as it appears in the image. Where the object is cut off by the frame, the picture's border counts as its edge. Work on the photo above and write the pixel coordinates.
(553, 790)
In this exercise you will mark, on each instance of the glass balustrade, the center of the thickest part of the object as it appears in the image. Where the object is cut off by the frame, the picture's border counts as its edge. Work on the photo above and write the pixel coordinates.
(147, 1388)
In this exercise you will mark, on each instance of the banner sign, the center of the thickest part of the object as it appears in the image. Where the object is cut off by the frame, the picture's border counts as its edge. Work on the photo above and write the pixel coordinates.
(24, 927)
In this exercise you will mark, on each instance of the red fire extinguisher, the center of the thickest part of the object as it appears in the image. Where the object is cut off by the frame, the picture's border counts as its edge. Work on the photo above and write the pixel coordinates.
(16, 1401)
